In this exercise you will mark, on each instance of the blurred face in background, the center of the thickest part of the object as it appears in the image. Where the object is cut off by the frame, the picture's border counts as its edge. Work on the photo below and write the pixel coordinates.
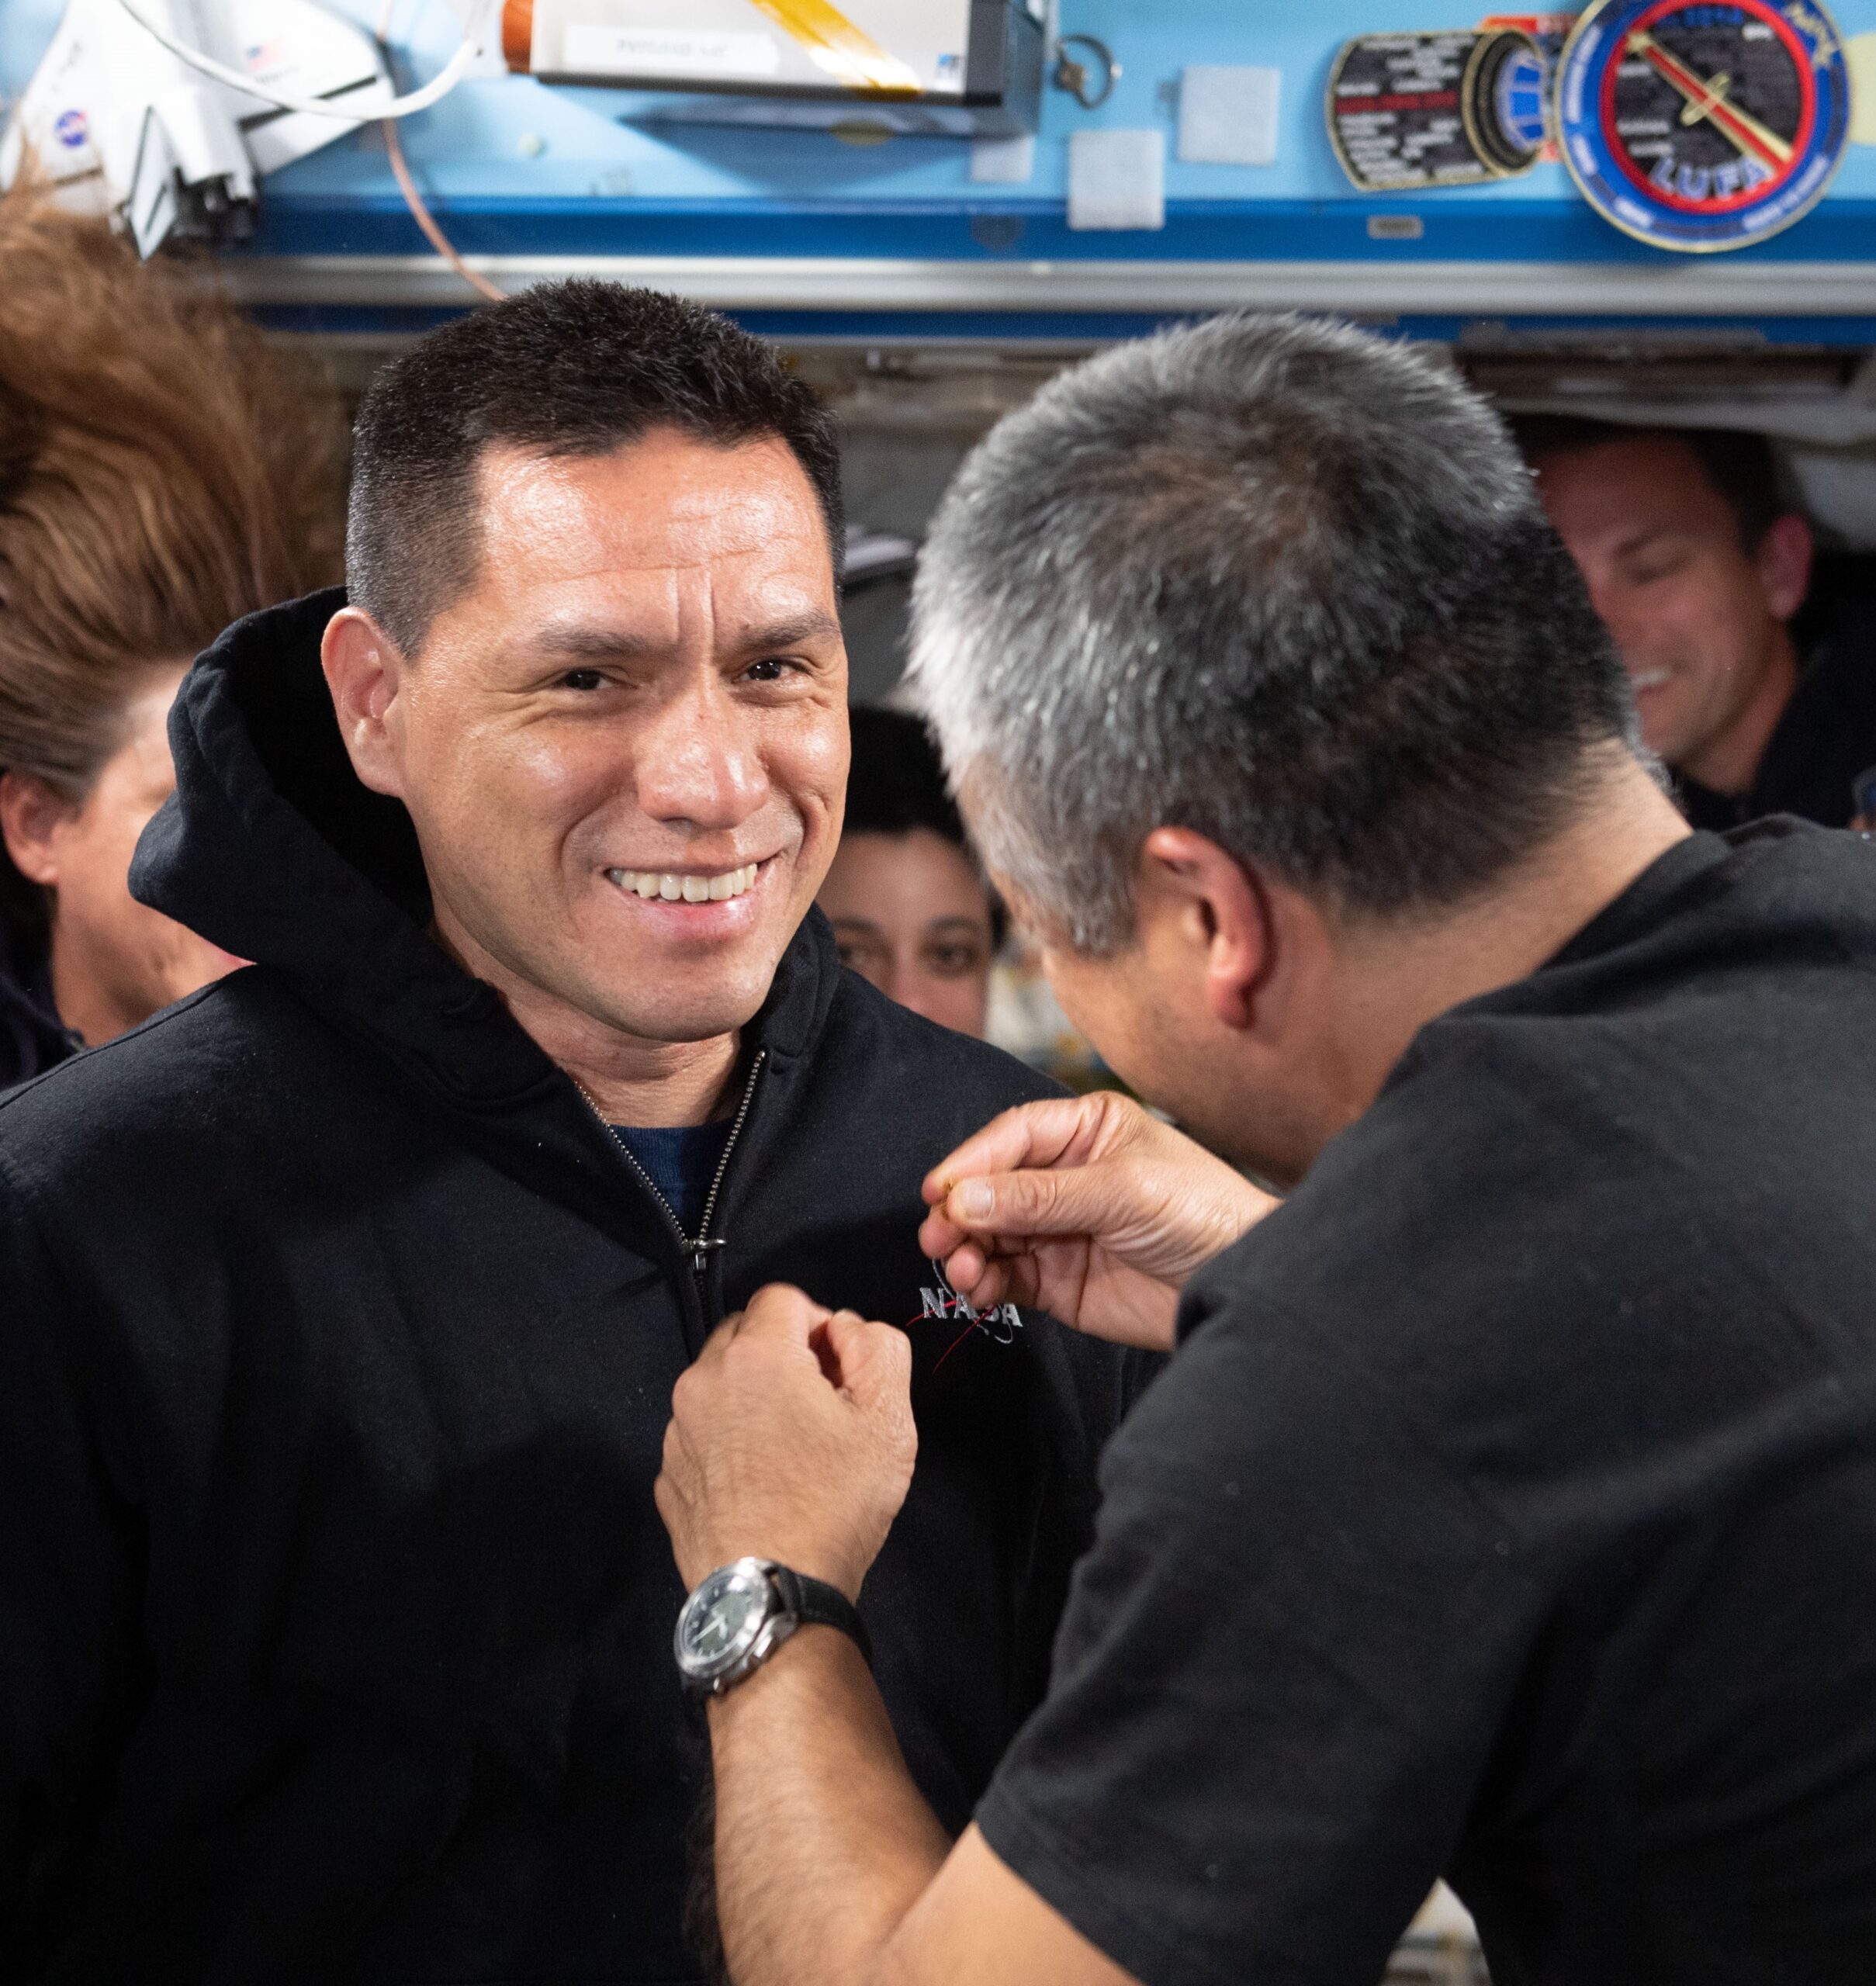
(114, 961)
(1699, 614)
(911, 914)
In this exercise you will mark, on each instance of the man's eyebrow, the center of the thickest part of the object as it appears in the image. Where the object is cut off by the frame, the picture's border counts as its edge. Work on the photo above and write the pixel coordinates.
(1640, 541)
(588, 643)
(812, 626)
(597, 644)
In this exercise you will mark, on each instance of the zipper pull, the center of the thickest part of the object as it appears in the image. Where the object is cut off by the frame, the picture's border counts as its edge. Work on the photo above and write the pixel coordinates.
(700, 1253)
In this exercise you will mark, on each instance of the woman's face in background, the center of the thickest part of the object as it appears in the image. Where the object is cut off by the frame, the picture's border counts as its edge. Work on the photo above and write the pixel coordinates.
(115, 962)
(911, 914)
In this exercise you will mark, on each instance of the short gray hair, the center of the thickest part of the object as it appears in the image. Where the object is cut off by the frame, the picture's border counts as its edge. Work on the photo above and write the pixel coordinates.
(1272, 579)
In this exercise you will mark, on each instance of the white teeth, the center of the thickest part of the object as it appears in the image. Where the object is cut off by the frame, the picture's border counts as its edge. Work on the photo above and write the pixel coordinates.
(673, 888)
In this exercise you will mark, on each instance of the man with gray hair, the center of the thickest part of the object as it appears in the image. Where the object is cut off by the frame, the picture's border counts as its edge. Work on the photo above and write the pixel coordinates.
(1508, 1509)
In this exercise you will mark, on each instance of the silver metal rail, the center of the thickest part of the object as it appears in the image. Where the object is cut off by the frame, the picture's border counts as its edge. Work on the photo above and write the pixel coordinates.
(1691, 288)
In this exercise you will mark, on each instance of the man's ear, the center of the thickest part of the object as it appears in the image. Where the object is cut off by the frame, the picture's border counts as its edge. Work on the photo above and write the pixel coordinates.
(32, 812)
(1784, 560)
(1207, 900)
(365, 672)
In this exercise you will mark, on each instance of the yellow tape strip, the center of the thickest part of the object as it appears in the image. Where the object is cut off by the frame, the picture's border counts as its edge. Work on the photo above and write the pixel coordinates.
(848, 54)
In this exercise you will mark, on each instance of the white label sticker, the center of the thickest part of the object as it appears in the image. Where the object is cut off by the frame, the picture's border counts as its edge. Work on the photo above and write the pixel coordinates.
(1228, 115)
(1117, 179)
(587, 51)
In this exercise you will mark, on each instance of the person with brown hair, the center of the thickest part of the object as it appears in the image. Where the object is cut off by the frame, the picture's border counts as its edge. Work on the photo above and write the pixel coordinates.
(162, 473)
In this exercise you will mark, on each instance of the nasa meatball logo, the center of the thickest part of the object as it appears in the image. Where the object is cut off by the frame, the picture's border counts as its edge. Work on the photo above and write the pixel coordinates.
(1698, 127)
(999, 1324)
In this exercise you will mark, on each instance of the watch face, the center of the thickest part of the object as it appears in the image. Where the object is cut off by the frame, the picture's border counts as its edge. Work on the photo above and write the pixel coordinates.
(719, 1621)
(1703, 126)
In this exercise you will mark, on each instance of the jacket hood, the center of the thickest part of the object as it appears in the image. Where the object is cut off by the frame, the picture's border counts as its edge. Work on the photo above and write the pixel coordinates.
(272, 848)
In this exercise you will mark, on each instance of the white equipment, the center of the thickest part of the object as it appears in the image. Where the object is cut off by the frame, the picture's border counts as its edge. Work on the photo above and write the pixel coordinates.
(960, 68)
(161, 114)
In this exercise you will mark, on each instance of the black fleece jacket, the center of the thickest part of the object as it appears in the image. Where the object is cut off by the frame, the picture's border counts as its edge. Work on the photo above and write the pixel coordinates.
(337, 1350)
(32, 1036)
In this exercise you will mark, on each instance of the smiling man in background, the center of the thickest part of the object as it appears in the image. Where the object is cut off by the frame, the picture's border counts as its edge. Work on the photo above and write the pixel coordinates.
(344, 1299)
(1697, 568)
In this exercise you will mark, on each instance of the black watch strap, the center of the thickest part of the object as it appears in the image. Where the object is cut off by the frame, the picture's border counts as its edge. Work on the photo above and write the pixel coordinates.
(822, 1605)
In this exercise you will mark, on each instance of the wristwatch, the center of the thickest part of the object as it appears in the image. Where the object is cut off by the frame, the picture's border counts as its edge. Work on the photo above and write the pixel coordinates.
(742, 1612)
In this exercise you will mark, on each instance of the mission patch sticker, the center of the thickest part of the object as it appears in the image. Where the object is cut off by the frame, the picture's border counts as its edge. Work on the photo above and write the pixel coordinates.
(1412, 112)
(1700, 127)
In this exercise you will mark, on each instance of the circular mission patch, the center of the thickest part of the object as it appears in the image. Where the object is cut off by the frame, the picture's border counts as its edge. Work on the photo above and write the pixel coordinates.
(1699, 126)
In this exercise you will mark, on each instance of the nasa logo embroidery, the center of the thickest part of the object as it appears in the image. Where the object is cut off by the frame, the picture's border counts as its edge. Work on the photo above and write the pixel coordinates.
(1700, 127)
(1000, 1323)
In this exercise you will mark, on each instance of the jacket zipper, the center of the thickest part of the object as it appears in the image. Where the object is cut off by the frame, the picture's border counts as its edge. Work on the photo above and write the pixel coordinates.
(698, 1251)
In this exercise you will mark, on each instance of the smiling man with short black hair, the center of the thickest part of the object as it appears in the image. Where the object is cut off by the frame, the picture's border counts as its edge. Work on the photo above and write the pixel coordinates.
(343, 1300)
(1698, 567)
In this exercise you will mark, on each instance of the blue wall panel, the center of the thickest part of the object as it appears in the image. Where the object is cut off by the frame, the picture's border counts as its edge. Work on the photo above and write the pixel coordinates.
(514, 168)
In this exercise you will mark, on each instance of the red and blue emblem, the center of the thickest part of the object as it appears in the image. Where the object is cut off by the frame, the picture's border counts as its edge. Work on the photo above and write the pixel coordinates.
(1700, 126)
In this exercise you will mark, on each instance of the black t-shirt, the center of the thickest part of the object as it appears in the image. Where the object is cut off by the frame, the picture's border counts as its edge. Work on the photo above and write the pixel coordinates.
(1509, 1510)
(681, 1161)
(1825, 740)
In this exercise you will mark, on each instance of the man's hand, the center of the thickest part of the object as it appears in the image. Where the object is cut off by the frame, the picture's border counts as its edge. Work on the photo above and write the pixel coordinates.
(792, 1438)
(1088, 1208)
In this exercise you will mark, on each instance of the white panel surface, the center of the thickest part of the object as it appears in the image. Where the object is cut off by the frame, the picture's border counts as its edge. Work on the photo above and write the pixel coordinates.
(1228, 115)
(1003, 161)
(1117, 179)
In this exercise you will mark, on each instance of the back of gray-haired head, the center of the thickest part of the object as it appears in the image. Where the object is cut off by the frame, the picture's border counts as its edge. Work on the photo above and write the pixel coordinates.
(1275, 580)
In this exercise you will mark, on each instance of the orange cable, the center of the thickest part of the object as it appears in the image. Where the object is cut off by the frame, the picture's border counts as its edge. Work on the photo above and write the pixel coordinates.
(425, 220)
